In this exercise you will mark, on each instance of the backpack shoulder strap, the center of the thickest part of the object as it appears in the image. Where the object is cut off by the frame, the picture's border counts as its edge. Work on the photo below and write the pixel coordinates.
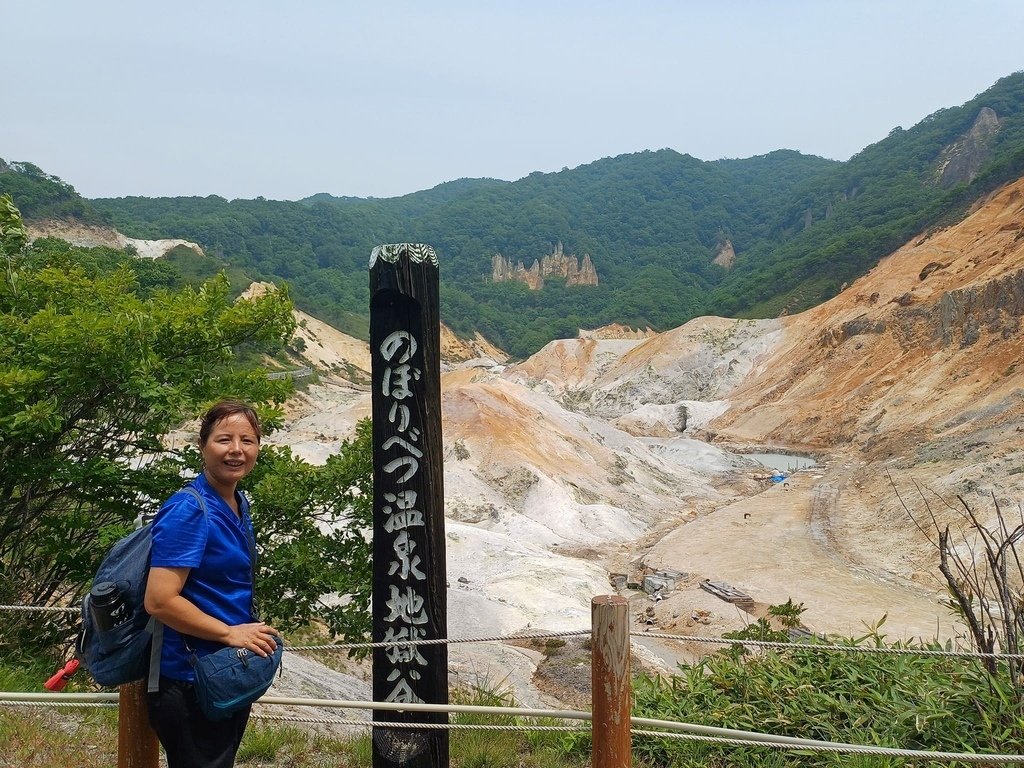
(156, 628)
(243, 509)
(192, 491)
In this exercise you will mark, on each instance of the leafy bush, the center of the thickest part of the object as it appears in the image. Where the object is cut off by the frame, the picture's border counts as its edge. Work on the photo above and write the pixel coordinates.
(892, 700)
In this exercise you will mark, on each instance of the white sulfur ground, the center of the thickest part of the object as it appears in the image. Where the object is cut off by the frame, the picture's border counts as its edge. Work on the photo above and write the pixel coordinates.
(547, 487)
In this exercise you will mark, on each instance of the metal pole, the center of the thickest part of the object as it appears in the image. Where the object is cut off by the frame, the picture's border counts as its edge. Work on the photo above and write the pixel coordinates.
(410, 599)
(611, 683)
(137, 746)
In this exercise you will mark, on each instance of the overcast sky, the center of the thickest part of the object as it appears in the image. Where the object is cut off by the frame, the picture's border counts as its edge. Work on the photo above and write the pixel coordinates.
(287, 99)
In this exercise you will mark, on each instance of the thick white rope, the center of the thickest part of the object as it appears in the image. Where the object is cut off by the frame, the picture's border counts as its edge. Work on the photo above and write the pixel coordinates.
(768, 644)
(56, 699)
(39, 608)
(418, 726)
(441, 641)
(395, 706)
(818, 646)
(677, 730)
(58, 703)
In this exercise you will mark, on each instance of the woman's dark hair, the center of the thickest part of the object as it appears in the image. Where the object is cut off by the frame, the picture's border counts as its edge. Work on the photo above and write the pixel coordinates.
(223, 410)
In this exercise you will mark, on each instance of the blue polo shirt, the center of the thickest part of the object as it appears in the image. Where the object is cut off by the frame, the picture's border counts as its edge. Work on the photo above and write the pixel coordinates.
(214, 545)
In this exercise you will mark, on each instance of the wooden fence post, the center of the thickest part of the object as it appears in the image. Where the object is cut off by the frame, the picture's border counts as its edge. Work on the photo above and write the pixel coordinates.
(410, 600)
(611, 682)
(137, 746)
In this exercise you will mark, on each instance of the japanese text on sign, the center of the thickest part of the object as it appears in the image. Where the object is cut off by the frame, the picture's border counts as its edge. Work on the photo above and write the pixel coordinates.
(406, 603)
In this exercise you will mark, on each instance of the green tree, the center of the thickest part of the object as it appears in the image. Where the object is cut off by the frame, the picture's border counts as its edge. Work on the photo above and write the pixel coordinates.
(13, 236)
(98, 362)
(315, 524)
(93, 375)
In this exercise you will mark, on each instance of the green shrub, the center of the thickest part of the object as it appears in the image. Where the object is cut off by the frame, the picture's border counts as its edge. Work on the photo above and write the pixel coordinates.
(903, 701)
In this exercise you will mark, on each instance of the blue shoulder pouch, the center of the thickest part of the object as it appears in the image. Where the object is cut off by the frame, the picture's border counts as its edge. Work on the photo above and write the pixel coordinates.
(232, 678)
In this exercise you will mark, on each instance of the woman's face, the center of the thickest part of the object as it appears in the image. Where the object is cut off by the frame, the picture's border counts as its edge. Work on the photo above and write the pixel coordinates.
(230, 451)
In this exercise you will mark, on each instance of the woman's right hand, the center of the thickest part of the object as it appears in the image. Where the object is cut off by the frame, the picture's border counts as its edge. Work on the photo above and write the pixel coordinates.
(258, 637)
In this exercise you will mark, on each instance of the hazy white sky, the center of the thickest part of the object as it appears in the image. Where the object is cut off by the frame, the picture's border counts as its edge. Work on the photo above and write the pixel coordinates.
(285, 99)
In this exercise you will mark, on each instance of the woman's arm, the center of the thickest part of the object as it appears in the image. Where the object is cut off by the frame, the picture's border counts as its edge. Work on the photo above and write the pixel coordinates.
(165, 603)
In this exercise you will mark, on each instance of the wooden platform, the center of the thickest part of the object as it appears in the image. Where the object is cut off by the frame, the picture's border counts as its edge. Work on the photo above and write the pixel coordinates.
(728, 593)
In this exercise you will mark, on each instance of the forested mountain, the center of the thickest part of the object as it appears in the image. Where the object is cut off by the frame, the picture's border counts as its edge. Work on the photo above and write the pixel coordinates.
(40, 195)
(840, 224)
(652, 223)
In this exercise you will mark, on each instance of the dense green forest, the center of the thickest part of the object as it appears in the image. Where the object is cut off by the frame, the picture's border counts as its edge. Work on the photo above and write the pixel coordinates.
(652, 223)
(40, 195)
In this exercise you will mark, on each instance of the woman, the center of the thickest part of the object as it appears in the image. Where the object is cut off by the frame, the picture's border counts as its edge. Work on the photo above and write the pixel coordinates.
(200, 587)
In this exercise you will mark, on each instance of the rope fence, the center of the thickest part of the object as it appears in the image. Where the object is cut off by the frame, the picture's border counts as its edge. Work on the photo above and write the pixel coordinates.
(442, 641)
(819, 646)
(59, 704)
(39, 608)
(765, 644)
(526, 719)
(419, 726)
(640, 726)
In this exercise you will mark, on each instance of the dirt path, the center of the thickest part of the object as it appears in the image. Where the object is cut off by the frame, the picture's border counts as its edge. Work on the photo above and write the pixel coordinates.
(776, 546)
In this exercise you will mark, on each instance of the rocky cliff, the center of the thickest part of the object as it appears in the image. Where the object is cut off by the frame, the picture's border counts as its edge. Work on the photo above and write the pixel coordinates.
(960, 162)
(725, 255)
(556, 264)
(928, 339)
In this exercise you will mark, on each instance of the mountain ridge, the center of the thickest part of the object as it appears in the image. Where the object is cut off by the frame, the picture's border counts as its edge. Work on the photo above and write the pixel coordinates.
(653, 222)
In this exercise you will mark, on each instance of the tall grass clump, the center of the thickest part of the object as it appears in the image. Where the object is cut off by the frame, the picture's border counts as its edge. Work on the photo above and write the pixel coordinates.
(500, 749)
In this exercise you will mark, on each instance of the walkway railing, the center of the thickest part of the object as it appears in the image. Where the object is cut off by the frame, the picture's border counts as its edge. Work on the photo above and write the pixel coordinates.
(610, 723)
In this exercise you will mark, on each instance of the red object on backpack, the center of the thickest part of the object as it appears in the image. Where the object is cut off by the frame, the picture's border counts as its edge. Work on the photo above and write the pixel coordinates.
(60, 679)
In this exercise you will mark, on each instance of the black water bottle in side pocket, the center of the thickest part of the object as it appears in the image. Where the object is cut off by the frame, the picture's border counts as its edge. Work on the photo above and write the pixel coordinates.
(107, 606)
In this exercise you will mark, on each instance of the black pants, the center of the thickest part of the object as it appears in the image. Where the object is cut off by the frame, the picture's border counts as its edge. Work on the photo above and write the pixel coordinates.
(188, 738)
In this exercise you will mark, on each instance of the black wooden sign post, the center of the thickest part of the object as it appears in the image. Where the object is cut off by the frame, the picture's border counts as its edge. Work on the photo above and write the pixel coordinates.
(409, 575)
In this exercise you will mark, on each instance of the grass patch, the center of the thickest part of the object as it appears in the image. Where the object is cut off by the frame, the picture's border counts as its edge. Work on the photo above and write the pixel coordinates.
(35, 737)
(264, 743)
(24, 675)
(500, 749)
